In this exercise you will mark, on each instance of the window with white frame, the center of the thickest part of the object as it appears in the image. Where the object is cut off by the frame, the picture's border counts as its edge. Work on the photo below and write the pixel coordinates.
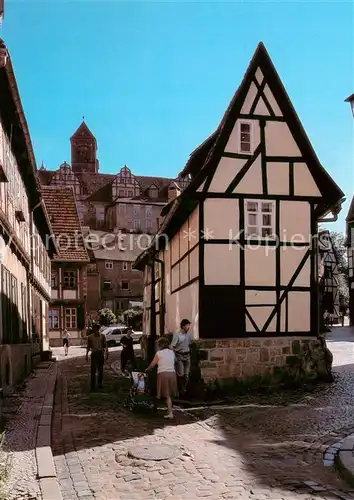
(70, 317)
(53, 319)
(125, 266)
(137, 224)
(136, 210)
(108, 264)
(260, 219)
(148, 224)
(148, 211)
(245, 136)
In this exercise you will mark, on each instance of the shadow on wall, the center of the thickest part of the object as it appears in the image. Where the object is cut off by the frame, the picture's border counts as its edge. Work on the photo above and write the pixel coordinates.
(16, 348)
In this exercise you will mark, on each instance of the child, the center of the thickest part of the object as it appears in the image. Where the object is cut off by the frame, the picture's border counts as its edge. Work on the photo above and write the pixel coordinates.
(166, 375)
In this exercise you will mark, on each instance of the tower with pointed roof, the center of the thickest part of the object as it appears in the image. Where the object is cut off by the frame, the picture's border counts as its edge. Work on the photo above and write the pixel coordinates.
(84, 150)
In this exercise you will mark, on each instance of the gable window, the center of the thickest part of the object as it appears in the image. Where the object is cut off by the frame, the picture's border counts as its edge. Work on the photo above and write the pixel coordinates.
(70, 317)
(69, 279)
(245, 136)
(259, 219)
(153, 192)
(125, 266)
(107, 284)
(53, 319)
(108, 264)
(125, 285)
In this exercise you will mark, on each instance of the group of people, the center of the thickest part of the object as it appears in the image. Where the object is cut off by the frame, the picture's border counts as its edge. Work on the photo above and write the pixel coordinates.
(172, 360)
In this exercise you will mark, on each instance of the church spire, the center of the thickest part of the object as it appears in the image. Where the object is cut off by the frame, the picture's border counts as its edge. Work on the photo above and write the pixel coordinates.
(84, 150)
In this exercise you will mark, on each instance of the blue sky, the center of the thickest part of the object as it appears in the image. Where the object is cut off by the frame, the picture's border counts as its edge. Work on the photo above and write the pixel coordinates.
(153, 79)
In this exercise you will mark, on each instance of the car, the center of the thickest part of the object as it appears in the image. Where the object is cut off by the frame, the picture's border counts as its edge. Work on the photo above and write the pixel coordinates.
(114, 334)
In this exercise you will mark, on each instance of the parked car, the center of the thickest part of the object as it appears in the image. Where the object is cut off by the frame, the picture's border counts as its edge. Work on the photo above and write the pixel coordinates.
(114, 334)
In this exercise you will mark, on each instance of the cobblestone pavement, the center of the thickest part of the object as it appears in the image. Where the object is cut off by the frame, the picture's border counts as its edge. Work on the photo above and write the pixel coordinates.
(264, 448)
(17, 455)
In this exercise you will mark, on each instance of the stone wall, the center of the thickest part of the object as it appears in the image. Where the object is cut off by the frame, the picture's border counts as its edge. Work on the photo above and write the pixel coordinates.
(243, 358)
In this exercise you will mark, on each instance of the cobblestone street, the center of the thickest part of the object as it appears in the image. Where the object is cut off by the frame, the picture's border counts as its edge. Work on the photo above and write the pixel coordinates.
(270, 447)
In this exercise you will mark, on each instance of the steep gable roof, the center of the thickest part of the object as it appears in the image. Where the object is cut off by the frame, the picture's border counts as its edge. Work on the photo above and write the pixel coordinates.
(206, 157)
(330, 191)
(61, 208)
(83, 132)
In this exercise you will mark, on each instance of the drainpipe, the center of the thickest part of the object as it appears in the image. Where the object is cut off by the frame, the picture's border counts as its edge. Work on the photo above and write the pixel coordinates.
(162, 297)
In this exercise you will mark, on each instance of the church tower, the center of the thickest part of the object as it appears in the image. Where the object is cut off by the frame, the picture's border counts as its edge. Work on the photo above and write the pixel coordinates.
(84, 151)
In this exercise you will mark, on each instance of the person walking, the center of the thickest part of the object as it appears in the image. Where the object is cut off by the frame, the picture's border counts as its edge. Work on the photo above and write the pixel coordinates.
(65, 335)
(97, 344)
(166, 374)
(181, 342)
(127, 354)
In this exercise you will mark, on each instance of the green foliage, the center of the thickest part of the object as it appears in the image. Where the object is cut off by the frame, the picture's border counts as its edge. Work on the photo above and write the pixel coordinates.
(133, 317)
(106, 317)
(340, 251)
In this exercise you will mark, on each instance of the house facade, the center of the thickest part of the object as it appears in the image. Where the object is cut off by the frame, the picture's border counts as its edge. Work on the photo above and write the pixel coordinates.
(67, 308)
(328, 276)
(350, 254)
(129, 202)
(237, 252)
(24, 246)
(112, 280)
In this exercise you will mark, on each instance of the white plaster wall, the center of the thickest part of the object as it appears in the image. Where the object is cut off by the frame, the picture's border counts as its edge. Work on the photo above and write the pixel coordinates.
(221, 264)
(69, 294)
(194, 263)
(295, 221)
(183, 304)
(271, 99)
(290, 258)
(54, 294)
(251, 183)
(250, 97)
(194, 225)
(260, 265)
(220, 217)
(184, 273)
(299, 311)
(226, 171)
(260, 297)
(279, 140)
(278, 178)
(184, 237)
(304, 184)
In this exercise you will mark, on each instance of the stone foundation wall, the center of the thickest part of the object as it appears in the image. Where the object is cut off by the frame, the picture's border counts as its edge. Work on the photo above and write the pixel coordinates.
(243, 358)
(16, 364)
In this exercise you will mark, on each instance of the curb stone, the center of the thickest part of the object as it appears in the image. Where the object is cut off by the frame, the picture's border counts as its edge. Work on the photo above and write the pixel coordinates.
(345, 459)
(46, 472)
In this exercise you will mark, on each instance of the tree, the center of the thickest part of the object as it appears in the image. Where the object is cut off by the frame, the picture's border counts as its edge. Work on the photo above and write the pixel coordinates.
(340, 252)
(106, 317)
(133, 317)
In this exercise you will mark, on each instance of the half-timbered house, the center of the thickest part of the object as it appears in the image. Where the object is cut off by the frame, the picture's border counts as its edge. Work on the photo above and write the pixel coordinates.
(237, 251)
(328, 276)
(350, 253)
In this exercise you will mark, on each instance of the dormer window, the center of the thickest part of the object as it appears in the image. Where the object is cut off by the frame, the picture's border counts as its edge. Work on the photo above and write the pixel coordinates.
(153, 192)
(245, 137)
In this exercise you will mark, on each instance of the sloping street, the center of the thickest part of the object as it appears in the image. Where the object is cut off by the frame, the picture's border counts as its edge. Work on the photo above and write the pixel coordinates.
(265, 447)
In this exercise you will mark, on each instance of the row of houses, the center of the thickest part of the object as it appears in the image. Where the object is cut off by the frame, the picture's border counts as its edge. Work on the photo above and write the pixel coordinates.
(226, 251)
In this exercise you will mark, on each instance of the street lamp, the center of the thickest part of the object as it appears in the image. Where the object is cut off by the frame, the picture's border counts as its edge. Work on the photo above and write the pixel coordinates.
(350, 99)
